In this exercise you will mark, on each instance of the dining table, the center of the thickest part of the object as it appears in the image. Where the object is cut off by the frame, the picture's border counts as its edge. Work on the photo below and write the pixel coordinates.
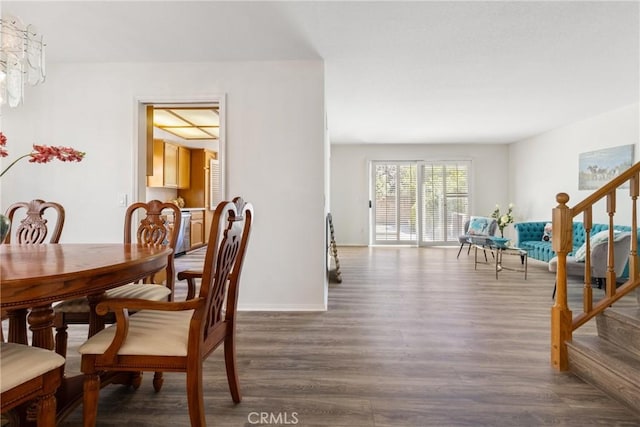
(34, 277)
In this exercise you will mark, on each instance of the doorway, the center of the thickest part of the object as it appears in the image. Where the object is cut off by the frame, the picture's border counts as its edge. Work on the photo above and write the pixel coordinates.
(182, 125)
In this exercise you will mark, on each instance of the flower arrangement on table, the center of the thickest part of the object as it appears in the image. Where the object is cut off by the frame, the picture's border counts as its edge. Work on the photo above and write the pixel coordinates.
(41, 154)
(503, 219)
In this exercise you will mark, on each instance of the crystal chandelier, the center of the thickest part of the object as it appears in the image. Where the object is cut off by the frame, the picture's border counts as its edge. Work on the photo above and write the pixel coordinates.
(21, 59)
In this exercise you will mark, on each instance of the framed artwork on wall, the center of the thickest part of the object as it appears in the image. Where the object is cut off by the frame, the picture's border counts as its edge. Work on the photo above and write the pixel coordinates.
(596, 168)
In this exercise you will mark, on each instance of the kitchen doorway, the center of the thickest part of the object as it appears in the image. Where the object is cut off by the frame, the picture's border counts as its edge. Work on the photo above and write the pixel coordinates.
(180, 125)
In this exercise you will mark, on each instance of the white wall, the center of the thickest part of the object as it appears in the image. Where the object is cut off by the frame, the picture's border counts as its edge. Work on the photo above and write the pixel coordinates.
(274, 144)
(547, 164)
(350, 180)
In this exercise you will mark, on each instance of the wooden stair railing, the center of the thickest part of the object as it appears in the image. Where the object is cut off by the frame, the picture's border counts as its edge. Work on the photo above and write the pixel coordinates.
(563, 323)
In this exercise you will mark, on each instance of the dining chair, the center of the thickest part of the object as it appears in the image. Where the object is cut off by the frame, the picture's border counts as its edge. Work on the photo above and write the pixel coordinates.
(29, 225)
(177, 336)
(30, 373)
(153, 229)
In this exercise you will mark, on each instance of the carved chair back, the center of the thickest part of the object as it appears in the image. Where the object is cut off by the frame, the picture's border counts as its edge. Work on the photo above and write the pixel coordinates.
(33, 228)
(153, 228)
(222, 268)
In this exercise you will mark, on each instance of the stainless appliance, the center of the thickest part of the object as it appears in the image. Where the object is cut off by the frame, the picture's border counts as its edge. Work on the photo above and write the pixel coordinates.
(184, 234)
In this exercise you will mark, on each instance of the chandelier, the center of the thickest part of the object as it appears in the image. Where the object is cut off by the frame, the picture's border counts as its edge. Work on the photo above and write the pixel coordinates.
(21, 59)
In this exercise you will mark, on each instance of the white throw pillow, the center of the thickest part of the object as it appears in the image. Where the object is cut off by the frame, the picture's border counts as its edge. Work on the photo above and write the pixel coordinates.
(602, 236)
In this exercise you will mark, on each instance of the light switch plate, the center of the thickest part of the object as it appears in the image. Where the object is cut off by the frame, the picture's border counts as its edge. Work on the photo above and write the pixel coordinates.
(122, 200)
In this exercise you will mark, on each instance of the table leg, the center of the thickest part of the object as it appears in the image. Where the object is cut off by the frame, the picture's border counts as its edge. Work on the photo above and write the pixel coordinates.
(41, 324)
(18, 326)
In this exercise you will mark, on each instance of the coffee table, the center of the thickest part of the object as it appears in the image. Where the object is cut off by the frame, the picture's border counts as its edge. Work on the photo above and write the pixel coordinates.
(497, 252)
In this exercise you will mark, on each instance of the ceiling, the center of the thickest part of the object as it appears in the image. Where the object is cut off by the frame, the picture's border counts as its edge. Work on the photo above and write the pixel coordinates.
(395, 72)
(189, 123)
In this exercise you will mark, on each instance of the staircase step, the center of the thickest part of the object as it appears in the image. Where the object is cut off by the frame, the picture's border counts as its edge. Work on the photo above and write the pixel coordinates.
(621, 326)
(607, 366)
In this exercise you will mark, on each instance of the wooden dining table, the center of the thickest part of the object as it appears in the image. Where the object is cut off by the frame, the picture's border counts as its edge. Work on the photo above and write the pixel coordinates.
(34, 277)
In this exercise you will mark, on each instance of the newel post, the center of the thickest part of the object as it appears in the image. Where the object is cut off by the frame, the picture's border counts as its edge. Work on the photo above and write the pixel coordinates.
(561, 317)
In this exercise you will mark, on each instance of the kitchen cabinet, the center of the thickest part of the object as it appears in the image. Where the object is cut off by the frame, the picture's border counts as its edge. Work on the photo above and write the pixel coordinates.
(184, 167)
(171, 166)
(197, 228)
(156, 178)
(198, 193)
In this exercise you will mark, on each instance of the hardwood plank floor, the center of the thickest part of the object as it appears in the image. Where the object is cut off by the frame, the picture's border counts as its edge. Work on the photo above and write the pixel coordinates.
(412, 337)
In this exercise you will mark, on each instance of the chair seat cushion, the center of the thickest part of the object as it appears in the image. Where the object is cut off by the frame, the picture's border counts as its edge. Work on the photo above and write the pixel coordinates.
(21, 363)
(463, 239)
(146, 291)
(151, 291)
(151, 332)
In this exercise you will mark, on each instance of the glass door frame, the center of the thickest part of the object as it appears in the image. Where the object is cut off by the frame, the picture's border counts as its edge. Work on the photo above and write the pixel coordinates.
(372, 205)
(445, 223)
(419, 203)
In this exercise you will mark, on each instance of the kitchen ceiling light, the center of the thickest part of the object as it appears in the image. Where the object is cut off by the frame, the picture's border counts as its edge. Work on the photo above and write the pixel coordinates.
(198, 117)
(188, 123)
(215, 131)
(190, 133)
(164, 118)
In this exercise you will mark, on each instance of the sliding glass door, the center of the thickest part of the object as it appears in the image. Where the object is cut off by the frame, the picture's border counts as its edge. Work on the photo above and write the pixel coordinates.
(444, 201)
(418, 203)
(394, 202)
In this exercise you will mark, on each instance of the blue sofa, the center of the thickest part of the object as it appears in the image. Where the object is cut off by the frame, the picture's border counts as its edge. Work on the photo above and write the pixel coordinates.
(530, 238)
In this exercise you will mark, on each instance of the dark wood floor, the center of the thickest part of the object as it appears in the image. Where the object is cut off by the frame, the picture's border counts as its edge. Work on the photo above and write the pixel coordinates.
(412, 337)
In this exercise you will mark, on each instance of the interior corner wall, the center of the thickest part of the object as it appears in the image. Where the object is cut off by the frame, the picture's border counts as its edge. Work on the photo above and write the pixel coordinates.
(275, 146)
(350, 179)
(327, 203)
(547, 164)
